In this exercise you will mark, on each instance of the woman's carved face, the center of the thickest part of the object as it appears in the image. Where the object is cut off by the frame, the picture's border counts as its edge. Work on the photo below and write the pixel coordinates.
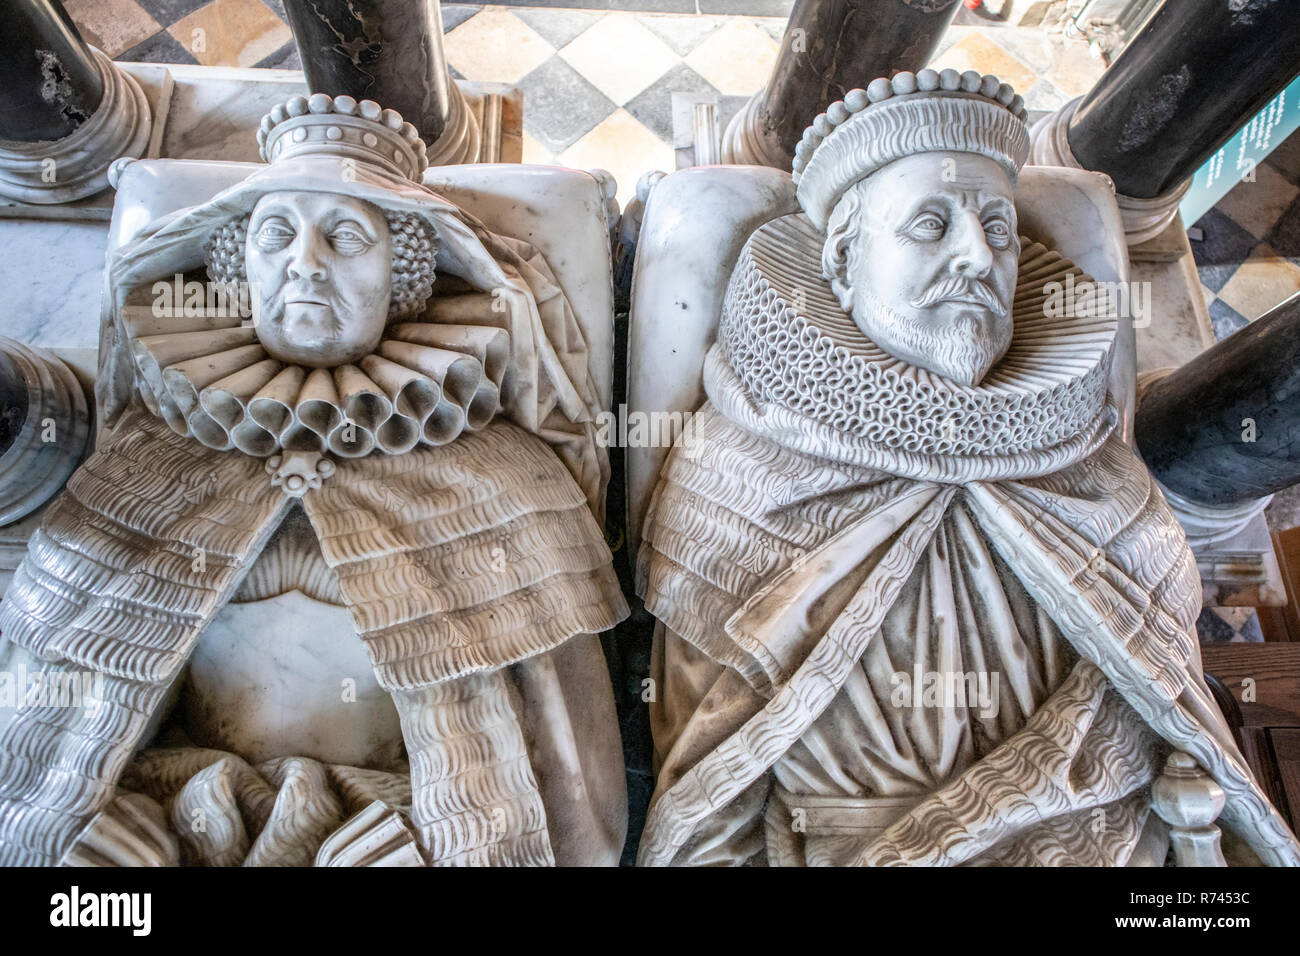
(320, 267)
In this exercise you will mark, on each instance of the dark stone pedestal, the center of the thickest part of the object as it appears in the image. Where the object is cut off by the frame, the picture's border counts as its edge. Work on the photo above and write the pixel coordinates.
(1181, 88)
(66, 111)
(50, 83)
(1185, 84)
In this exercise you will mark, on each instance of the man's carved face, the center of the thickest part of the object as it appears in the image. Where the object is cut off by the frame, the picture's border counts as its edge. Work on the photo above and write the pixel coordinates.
(320, 266)
(931, 273)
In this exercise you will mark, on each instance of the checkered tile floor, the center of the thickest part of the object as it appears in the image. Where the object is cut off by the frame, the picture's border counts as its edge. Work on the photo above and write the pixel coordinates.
(1249, 258)
(597, 82)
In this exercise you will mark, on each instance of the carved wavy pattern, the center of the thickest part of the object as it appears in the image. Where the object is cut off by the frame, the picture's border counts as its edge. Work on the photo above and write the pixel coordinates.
(484, 568)
(291, 562)
(57, 763)
(359, 788)
(733, 535)
(490, 558)
(730, 768)
(161, 772)
(1130, 614)
(688, 605)
(225, 812)
(1158, 677)
(459, 494)
(1141, 631)
(482, 811)
(791, 495)
(810, 436)
(169, 533)
(1098, 836)
(130, 599)
(206, 814)
(306, 811)
(1029, 779)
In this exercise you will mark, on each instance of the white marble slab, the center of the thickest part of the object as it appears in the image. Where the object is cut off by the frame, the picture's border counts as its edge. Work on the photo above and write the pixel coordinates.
(289, 675)
(52, 274)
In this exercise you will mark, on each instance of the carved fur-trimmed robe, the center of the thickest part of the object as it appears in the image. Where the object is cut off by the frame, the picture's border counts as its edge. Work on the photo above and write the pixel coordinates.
(838, 525)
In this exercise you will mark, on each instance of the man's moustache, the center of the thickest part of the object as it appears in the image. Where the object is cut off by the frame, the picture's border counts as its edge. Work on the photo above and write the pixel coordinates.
(955, 287)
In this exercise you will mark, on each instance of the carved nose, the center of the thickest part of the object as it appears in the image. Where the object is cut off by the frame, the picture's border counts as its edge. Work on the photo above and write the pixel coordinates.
(306, 264)
(975, 260)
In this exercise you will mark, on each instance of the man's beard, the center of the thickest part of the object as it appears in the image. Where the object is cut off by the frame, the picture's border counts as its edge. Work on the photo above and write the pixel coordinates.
(962, 349)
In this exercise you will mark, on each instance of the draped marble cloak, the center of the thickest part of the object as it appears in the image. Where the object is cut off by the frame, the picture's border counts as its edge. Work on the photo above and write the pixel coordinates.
(837, 525)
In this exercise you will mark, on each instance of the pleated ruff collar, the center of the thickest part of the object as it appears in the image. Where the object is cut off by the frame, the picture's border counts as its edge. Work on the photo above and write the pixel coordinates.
(426, 383)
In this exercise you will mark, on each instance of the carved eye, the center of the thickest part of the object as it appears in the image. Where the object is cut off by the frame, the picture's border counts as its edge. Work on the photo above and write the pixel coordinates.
(928, 225)
(274, 234)
(998, 232)
(349, 239)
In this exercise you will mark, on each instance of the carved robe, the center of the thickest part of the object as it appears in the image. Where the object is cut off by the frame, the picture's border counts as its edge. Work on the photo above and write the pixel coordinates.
(839, 531)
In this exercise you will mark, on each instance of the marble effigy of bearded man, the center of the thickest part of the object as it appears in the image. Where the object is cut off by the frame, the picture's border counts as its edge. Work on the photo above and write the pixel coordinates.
(917, 602)
(427, 461)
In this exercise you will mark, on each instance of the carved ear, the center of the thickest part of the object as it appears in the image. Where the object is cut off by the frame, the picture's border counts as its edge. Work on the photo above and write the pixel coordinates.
(835, 268)
(841, 231)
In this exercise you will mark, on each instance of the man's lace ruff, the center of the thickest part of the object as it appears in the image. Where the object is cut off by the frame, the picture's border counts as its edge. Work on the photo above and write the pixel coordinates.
(1050, 387)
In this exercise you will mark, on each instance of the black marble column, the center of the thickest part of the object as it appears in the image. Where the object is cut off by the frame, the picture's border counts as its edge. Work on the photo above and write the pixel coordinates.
(1182, 87)
(13, 403)
(389, 51)
(49, 81)
(833, 46)
(1225, 427)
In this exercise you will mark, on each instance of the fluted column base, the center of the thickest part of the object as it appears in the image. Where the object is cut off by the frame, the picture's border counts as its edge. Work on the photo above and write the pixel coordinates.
(77, 165)
(461, 137)
(49, 442)
(744, 143)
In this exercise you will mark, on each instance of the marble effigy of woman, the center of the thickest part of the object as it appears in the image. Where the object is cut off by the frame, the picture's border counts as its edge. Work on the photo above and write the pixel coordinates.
(435, 457)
